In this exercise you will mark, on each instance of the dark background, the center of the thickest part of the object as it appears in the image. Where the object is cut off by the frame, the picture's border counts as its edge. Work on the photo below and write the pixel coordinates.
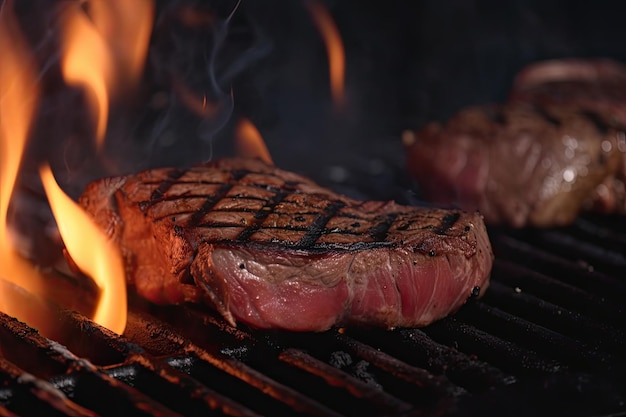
(408, 62)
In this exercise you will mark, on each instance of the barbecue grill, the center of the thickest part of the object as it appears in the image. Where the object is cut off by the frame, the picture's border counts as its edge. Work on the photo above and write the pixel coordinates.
(547, 339)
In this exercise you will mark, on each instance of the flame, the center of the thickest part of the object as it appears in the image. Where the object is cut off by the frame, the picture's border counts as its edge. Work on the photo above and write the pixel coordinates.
(103, 54)
(126, 25)
(334, 46)
(87, 62)
(200, 105)
(93, 253)
(250, 143)
(194, 17)
(106, 53)
(18, 95)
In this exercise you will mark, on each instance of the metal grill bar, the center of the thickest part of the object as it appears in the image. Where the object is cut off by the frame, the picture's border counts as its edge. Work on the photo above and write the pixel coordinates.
(502, 353)
(544, 317)
(333, 377)
(550, 343)
(558, 292)
(415, 347)
(570, 271)
(34, 396)
(84, 379)
(555, 317)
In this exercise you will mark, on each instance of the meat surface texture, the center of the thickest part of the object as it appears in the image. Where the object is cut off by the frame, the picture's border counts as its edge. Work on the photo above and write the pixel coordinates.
(272, 249)
(556, 149)
(593, 86)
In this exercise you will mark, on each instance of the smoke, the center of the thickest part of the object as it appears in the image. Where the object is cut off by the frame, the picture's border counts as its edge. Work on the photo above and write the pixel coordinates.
(197, 51)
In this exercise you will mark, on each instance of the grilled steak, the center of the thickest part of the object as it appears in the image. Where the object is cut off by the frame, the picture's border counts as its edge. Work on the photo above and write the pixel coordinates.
(274, 250)
(520, 164)
(595, 86)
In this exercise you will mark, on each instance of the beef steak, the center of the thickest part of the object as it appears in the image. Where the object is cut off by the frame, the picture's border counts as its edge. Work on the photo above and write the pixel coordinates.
(596, 86)
(520, 164)
(272, 249)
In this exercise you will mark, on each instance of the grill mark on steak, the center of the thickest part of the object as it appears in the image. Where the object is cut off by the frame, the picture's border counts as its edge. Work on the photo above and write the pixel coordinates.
(167, 183)
(208, 204)
(446, 223)
(213, 199)
(159, 192)
(380, 231)
(262, 214)
(319, 224)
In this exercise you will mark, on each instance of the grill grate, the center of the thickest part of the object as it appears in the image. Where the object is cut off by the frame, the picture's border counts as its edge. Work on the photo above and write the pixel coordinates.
(546, 339)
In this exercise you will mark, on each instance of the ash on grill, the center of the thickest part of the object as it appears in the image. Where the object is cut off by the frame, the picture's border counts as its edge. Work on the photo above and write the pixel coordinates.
(546, 339)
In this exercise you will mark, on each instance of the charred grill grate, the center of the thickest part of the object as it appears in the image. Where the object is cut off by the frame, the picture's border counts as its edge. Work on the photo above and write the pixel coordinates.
(546, 339)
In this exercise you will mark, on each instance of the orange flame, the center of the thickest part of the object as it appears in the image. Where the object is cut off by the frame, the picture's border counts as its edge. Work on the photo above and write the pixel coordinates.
(126, 25)
(336, 54)
(93, 253)
(100, 66)
(107, 52)
(200, 105)
(250, 143)
(87, 63)
(18, 95)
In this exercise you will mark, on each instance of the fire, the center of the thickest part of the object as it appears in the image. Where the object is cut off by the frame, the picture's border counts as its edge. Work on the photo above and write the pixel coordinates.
(336, 54)
(250, 143)
(126, 26)
(92, 252)
(105, 52)
(103, 48)
(87, 63)
(18, 93)
(200, 105)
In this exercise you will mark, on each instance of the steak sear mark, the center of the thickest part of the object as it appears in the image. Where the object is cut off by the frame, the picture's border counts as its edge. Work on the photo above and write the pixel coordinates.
(380, 230)
(208, 204)
(213, 199)
(446, 223)
(158, 194)
(166, 184)
(319, 224)
(262, 214)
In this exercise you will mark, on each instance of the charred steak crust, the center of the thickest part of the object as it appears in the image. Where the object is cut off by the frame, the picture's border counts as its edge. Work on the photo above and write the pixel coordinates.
(273, 249)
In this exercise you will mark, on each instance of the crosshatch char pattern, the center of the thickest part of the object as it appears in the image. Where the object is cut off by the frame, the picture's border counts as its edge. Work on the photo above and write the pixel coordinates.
(260, 206)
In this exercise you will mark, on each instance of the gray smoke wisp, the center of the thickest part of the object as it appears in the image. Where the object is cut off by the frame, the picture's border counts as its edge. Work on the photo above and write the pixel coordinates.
(194, 67)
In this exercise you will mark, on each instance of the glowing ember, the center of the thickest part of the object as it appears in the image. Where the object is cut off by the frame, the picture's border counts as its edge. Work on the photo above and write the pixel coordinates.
(250, 143)
(92, 252)
(336, 55)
